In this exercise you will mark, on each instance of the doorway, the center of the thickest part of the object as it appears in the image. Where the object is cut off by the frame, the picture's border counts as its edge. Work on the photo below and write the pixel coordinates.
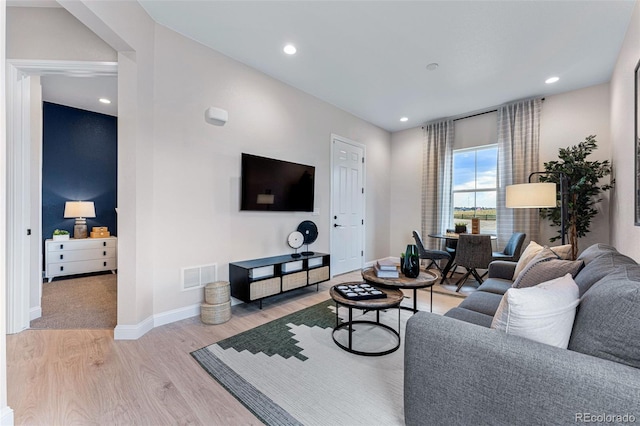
(347, 205)
(24, 248)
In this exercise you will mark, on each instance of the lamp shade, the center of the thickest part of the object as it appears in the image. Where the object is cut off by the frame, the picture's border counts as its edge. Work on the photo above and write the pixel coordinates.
(79, 209)
(531, 195)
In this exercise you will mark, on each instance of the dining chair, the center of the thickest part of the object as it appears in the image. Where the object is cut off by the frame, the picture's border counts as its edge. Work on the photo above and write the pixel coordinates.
(513, 248)
(434, 255)
(450, 245)
(472, 253)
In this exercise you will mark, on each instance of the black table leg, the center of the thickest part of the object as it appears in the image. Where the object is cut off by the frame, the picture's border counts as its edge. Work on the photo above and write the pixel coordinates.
(350, 327)
(431, 307)
(447, 268)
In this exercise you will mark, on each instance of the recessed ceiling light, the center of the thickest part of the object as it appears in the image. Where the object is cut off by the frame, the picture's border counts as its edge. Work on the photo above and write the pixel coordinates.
(551, 80)
(404, 119)
(104, 100)
(290, 49)
(432, 66)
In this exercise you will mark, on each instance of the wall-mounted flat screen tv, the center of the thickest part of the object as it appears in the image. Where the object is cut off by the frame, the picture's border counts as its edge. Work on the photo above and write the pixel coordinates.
(268, 184)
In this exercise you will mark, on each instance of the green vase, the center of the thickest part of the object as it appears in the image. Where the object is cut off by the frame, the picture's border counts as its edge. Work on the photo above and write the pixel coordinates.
(411, 263)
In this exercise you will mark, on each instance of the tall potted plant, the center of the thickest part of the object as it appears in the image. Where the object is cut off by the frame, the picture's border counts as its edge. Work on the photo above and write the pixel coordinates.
(584, 189)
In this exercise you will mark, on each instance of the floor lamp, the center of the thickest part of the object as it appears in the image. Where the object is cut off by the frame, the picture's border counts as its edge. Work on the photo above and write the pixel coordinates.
(540, 195)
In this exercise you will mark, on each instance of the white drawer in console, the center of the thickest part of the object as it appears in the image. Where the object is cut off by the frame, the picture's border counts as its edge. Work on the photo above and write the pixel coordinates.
(70, 268)
(74, 255)
(83, 244)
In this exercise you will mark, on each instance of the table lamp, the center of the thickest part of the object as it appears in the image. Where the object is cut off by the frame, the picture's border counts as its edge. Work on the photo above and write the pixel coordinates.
(80, 210)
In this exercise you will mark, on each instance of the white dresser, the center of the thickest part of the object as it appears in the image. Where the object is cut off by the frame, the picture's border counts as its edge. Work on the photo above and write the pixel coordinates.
(80, 256)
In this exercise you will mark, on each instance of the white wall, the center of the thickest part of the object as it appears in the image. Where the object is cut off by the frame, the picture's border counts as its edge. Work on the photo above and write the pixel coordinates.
(624, 235)
(197, 166)
(566, 120)
(406, 188)
(52, 33)
(185, 209)
(476, 131)
(6, 414)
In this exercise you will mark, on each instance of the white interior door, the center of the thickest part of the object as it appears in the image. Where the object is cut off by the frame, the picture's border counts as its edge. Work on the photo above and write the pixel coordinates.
(347, 201)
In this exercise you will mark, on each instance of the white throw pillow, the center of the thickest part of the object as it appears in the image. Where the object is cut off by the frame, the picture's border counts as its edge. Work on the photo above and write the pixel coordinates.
(563, 251)
(527, 255)
(543, 313)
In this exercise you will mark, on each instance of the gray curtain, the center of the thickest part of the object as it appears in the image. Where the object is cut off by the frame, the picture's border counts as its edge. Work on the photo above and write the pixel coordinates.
(436, 180)
(518, 156)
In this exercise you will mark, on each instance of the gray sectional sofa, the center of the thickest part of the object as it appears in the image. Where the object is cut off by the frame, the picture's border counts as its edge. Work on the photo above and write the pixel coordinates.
(459, 371)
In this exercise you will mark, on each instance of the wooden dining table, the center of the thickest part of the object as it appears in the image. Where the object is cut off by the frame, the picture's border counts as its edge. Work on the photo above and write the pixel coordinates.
(451, 236)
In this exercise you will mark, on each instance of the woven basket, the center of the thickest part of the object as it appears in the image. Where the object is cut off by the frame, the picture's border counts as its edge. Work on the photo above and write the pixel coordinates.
(215, 314)
(216, 292)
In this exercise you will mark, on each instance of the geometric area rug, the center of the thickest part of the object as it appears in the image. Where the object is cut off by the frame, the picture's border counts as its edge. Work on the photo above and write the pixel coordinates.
(290, 371)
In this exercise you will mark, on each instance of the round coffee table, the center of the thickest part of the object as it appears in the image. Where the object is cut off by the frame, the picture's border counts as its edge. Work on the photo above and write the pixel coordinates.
(393, 299)
(423, 280)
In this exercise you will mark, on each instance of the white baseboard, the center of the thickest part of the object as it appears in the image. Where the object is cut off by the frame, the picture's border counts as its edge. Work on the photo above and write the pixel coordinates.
(6, 417)
(395, 259)
(134, 332)
(176, 315)
(35, 313)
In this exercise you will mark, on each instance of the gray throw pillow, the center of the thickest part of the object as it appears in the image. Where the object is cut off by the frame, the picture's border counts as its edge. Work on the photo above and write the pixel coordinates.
(594, 251)
(600, 267)
(607, 324)
(545, 270)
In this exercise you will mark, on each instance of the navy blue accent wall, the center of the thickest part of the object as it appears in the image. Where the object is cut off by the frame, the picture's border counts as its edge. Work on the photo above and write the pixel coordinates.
(79, 163)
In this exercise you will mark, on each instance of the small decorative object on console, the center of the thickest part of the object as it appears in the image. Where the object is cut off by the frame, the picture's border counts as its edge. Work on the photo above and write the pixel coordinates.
(100, 232)
(309, 231)
(60, 235)
(361, 291)
(295, 241)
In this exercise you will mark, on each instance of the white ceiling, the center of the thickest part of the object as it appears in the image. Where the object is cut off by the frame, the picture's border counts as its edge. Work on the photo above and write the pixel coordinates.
(82, 92)
(370, 57)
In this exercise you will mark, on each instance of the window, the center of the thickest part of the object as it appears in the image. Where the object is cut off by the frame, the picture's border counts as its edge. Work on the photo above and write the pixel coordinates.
(475, 182)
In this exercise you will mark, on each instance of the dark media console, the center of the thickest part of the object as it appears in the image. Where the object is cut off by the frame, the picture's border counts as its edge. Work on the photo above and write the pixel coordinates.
(254, 280)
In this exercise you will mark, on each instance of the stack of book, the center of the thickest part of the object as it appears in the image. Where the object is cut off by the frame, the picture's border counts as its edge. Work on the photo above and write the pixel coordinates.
(386, 269)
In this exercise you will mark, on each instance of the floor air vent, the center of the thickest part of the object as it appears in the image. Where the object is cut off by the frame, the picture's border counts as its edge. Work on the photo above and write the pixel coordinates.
(199, 276)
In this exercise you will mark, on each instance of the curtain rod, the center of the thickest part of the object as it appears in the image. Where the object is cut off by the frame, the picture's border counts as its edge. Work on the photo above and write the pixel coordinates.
(477, 114)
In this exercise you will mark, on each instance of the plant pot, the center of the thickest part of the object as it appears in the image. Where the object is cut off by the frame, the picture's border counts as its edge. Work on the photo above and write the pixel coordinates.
(461, 229)
(61, 237)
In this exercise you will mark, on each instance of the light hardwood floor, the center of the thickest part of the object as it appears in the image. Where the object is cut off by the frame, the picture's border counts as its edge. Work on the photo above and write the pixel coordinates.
(78, 377)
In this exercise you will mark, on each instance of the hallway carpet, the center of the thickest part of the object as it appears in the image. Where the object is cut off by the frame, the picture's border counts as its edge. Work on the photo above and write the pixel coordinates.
(88, 302)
